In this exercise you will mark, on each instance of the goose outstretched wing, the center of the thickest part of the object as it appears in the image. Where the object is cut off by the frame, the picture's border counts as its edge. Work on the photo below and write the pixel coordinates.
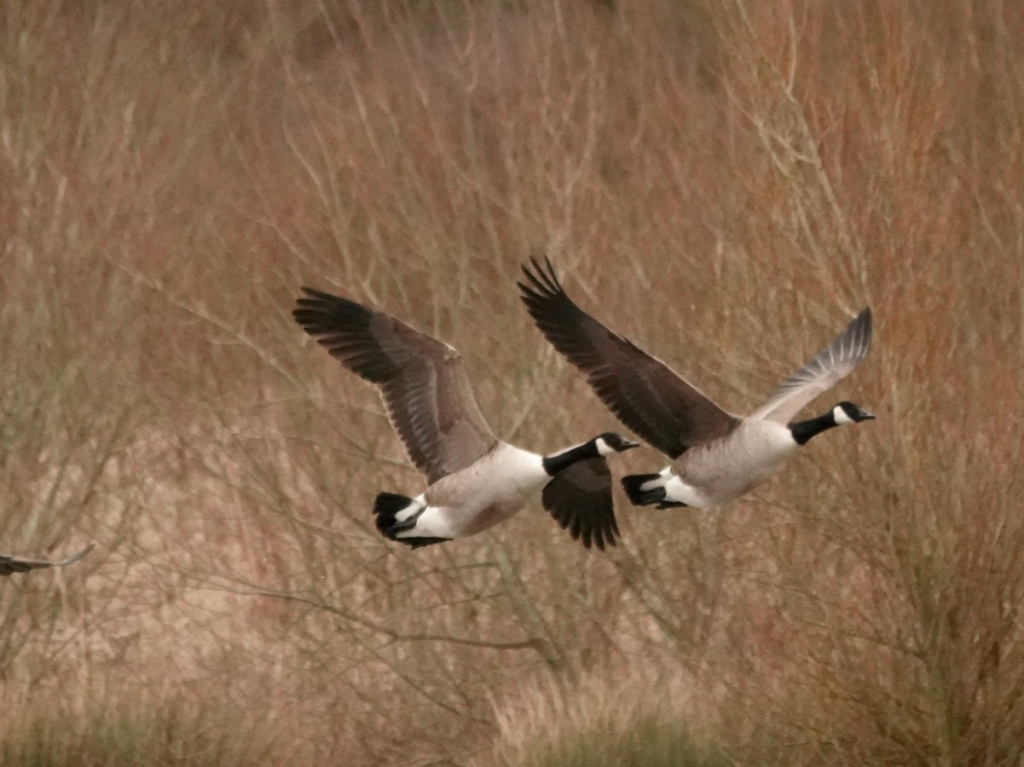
(643, 392)
(829, 366)
(422, 381)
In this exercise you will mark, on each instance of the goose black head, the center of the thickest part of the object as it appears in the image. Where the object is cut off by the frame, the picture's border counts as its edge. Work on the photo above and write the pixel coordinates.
(847, 412)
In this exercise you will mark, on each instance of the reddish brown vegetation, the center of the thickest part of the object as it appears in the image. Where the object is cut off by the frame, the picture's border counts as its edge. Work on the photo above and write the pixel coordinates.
(725, 184)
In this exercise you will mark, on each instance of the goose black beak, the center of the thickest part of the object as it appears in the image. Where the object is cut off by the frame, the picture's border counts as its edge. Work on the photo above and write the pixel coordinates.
(866, 416)
(628, 444)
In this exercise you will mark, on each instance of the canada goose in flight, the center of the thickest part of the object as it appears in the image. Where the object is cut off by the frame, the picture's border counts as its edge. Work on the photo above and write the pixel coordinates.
(716, 456)
(9, 565)
(475, 479)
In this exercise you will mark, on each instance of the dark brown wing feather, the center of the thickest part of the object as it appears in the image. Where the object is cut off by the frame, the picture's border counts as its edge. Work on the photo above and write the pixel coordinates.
(580, 500)
(9, 564)
(645, 394)
(422, 381)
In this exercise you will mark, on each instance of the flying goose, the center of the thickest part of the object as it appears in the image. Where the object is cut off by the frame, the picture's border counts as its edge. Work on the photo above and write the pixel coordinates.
(475, 479)
(716, 456)
(9, 564)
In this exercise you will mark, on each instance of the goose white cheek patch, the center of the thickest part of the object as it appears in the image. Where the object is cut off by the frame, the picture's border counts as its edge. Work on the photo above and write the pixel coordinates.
(840, 416)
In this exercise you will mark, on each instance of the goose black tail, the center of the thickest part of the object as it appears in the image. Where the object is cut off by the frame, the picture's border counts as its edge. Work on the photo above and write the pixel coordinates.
(386, 507)
(639, 496)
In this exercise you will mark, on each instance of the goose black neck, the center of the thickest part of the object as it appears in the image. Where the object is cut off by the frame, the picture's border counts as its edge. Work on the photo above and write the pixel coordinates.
(803, 431)
(559, 462)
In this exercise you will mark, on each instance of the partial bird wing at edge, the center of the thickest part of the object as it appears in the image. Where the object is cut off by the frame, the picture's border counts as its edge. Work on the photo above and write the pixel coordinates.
(10, 564)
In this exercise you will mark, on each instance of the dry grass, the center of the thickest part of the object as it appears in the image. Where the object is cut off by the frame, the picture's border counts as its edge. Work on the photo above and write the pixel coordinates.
(723, 183)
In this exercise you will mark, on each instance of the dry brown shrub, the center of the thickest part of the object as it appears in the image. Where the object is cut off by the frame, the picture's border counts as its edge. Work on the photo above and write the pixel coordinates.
(723, 183)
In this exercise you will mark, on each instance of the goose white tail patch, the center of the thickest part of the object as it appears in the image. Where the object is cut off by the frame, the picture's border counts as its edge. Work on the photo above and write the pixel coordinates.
(433, 522)
(678, 491)
(651, 484)
(417, 505)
